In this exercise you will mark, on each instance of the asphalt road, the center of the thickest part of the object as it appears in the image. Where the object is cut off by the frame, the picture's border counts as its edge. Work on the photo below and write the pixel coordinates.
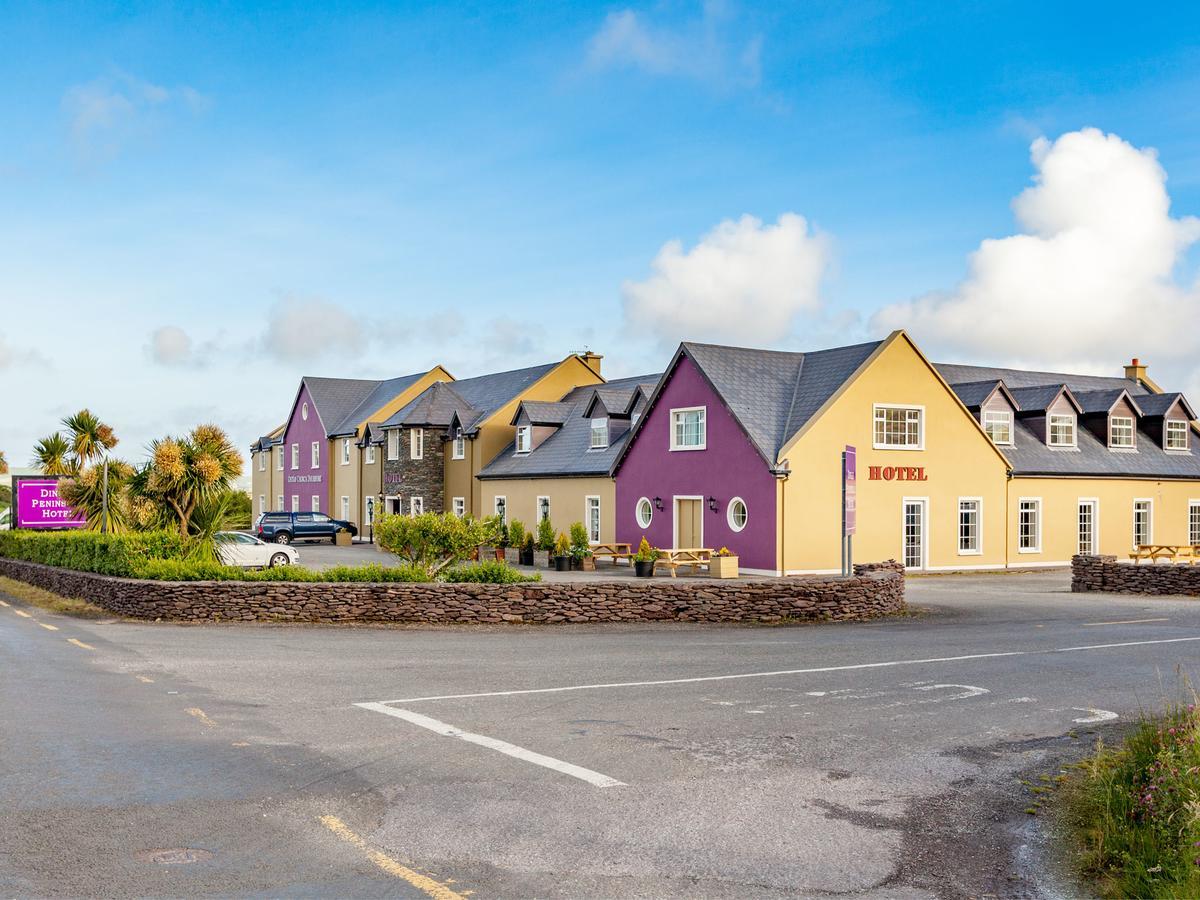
(877, 758)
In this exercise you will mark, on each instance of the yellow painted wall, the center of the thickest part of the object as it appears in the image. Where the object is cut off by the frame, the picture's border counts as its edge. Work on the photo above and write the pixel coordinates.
(370, 482)
(958, 461)
(1060, 505)
(567, 501)
(459, 477)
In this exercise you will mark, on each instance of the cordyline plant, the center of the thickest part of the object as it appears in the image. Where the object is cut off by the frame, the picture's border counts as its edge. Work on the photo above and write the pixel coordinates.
(106, 507)
(3, 463)
(85, 440)
(184, 473)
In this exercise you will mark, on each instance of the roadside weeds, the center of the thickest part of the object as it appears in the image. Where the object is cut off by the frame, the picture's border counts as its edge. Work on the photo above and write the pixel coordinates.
(35, 596)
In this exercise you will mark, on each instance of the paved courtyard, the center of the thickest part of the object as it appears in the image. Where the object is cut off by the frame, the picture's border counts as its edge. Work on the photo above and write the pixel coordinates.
(877, 758)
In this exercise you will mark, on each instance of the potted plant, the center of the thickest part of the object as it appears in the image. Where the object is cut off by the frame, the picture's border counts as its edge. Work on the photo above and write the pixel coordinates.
(515, 553)
(342, 538)
(527, 550)
(562, 554)
(644, 559)
(724, 564)
(545, 543)
(581, 550)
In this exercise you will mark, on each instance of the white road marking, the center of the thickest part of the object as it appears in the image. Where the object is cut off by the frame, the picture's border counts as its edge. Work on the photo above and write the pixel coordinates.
(549, 762)
(1125, 622)
(965, 691)
(782, 672)
(1097, 715)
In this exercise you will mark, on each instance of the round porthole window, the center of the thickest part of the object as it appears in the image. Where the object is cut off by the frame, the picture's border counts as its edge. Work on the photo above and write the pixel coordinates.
(304, 412)
(737, 514)
(645, 512)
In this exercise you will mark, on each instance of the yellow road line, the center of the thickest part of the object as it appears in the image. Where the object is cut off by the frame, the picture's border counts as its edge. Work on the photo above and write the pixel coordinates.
(434, 889)
(48, 627)
(201, 715)
(1125, 622)
(143, 679)
(79, 643)
(22, 614)
(2, 603)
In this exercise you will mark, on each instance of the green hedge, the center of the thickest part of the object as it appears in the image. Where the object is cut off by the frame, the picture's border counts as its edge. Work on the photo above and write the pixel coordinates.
(488, 572)
(185, 570)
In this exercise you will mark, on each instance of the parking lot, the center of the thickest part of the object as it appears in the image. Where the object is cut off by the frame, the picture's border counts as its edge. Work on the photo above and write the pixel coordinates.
(880, 758)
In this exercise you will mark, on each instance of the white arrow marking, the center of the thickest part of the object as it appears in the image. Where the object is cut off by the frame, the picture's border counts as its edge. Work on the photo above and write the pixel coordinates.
(1097, 715)
(967, 691)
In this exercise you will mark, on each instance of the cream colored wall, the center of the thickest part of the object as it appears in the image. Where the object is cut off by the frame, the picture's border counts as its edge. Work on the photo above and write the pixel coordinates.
(1060, 509)
(268, 483)
(568, 498)
(460, 477)
(370, 481)
(958, 461)
(344, 480)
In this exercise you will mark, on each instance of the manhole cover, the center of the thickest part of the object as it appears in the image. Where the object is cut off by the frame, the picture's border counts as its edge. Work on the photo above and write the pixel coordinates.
(173, 856)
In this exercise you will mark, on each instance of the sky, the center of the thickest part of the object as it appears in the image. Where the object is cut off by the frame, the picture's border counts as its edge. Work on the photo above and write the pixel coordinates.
(199, 204)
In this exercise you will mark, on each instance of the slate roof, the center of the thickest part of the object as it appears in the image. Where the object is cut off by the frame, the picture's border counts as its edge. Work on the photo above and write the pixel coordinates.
(336, 398)
(434, 407)
(566, 453)
(543, 413)
(1036, 399)
(375, 399)
(1159, 404)
(1020, 378)
(974, 394)
(473, 399)
(774, 393)
(1102, 401)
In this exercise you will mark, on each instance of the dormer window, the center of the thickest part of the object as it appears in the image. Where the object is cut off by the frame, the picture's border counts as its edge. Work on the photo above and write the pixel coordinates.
(599, 434)
(523, 438)
(998, 424)
(1175, 435)
(1120, 432)
(460, 445)
(1061, 431)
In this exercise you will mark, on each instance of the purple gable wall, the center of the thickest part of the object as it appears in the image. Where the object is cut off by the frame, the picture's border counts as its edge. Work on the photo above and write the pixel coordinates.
(305, 481)
(728, 467)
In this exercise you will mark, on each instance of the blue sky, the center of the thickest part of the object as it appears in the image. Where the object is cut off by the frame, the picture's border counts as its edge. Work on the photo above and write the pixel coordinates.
(365, 190)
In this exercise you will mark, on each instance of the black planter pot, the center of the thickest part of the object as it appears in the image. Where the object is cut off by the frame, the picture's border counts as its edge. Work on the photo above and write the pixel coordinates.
(643, 568)
(562, 564)
(576, 564)
(527, 557)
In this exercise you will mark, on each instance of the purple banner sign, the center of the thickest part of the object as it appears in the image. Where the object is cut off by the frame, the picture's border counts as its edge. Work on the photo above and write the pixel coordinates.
(38, 506)
(849, 490)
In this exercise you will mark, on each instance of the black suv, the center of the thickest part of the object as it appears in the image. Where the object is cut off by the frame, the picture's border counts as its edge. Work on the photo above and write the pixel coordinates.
(285, 527)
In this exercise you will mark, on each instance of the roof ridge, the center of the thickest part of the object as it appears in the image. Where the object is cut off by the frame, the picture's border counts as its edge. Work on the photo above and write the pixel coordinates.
(787, 425)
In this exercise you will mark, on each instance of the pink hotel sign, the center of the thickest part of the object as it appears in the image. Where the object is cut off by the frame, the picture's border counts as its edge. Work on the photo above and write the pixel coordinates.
(38, 506)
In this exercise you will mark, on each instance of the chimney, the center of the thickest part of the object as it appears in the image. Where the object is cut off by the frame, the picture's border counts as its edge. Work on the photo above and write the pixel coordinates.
(591, 360)
(1135, 371)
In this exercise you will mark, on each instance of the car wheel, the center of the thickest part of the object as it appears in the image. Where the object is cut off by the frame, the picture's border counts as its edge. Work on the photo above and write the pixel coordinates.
(280, 559)
(283, 538)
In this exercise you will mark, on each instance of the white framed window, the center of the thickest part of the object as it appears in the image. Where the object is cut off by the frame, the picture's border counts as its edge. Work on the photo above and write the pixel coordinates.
(524, 438)
(1061, 431)
(1029, 525)
(295, 503)
(1194, 523)
(970, 526)
(1175, 435)
(345, 451)
(644, 512)
(599, 439)
(316, 503)
(304, 412)
(295, 456)
(393, 444)
(262, 503)
(459, 505)
(416, 443)
(262, 461)
(1143, 522)
(500, 508)
(998, 423)
(543, 508)
(1088, 542)
(459, 450)
(899, 427)
(316, 454)
(279, 459)
(279, 502)
(737, 514)
(345, 509)
(416, 506)
(1120, 431)
(689, 428)
(369, 455)
(591, 510)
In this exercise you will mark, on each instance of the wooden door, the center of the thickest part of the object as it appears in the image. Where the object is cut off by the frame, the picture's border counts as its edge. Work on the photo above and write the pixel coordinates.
(689, 529)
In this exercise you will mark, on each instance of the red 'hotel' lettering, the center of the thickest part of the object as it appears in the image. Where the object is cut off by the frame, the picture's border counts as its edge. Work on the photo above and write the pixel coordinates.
(896, 473)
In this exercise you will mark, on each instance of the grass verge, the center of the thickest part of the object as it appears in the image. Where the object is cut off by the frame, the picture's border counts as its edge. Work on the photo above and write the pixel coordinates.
(1135, 809)
(35, 596)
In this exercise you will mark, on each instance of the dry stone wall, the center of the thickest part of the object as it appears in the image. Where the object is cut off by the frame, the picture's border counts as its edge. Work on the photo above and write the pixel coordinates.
(873, 591)
(1104, 573)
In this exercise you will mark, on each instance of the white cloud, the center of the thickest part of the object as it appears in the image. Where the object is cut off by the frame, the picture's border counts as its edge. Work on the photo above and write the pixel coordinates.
(171, 346)
(705, 49)
(105, 114)
(12, 357)
(744, 282)
(300, 330)
(1088, 281)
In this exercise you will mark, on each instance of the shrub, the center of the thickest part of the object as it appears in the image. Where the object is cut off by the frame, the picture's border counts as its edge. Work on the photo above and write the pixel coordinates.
(92, 551)
(495, 532)
(580, 546)
(645, 553)
(562, 547)
(545, 535)
(429, 540)
(488, 572)
(516, 533)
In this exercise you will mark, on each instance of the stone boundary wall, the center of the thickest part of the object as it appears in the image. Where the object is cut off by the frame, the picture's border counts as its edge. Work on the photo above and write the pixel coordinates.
(1104, 573)
(874, 590)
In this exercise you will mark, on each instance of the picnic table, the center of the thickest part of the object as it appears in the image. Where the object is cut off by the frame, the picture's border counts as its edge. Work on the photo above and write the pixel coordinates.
(613, 551)
(1170, 552)
(686, 556)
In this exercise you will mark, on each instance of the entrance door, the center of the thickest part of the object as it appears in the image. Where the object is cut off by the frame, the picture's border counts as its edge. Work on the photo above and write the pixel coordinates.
(689, 527)
(914, 534)
(1087, 526)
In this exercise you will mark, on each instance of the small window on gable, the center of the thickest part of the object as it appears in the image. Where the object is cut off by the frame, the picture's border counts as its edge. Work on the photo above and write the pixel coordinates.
(460, 445)
(599, 434)
(345, 451)
(1120, 431)
(1175, 435)
(688, 428)
(370, 455)
(1061, 431)
(899, 428)
(316, 455)
(523, 438)
(998, 424)
(262, 461)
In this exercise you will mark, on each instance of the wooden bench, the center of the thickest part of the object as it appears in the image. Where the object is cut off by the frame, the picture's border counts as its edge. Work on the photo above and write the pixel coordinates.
(613, 551)
(689, 556)
(1170, 552)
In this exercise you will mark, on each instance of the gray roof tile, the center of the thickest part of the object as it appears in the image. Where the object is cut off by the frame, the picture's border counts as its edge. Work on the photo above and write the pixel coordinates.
(379, 396)
(474, 399)
(1037, 399)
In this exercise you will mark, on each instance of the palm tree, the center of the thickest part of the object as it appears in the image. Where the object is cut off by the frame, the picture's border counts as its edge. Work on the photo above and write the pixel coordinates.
(3, 463)
(52, 454)
(184, 473)
(98, 491)
(90, 438)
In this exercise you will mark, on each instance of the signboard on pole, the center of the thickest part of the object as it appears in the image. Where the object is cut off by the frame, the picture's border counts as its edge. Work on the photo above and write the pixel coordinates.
(37, 505)
(849, 491)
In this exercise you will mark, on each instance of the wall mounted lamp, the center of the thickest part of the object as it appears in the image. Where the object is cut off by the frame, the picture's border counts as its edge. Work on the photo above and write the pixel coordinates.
(712, 503)
(658, 504)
